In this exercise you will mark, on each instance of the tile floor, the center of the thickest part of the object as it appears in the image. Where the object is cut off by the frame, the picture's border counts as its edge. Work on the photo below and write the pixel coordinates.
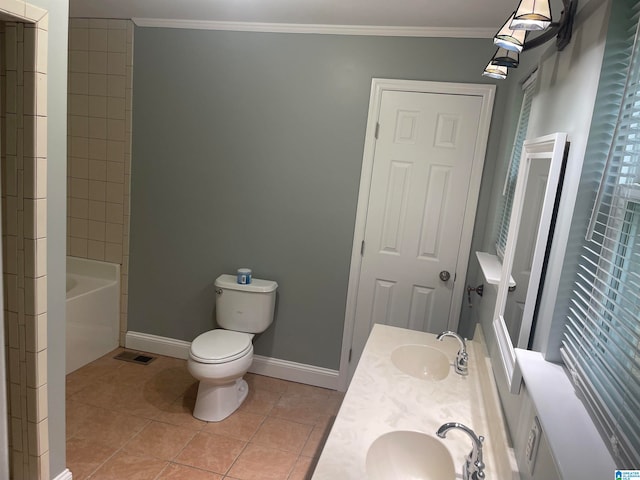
(134, 422)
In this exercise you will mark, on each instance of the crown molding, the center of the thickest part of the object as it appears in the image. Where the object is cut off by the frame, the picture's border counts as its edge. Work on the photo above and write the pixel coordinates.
(372, 30)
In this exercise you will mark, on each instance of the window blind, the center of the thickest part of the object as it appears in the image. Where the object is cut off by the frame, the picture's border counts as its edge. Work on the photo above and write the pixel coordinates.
(601, 344)
(509, 189)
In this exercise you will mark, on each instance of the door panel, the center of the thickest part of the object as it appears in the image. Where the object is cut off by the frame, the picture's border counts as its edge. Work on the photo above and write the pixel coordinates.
(419, 185)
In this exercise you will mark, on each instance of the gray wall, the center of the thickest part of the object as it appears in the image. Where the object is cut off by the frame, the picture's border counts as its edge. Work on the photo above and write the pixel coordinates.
(247, 150)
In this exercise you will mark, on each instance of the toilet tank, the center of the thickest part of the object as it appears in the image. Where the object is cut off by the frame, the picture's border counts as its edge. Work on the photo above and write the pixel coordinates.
(245, 308)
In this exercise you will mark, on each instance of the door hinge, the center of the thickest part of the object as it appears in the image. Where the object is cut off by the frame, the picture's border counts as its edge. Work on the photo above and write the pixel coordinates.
(362, 249)
(350, 352)
(377, 130)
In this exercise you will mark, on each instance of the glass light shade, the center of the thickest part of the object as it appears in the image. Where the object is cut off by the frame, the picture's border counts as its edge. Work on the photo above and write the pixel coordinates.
(506, 58)
(532, 15)
(509, 38)
(495, 71)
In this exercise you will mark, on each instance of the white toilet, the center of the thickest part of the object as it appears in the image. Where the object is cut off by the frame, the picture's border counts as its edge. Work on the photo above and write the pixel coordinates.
(219, 358)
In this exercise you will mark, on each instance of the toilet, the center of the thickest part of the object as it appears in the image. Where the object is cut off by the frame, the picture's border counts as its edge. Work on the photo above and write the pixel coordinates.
(219, 358)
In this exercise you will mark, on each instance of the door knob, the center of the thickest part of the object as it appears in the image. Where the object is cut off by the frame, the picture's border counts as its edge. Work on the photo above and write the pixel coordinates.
(445, 276)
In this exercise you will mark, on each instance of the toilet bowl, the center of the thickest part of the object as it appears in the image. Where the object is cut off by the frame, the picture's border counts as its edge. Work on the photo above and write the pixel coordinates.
(219, 358)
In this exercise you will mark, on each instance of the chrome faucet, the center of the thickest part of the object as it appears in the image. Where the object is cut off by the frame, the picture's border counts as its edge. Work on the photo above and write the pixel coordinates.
(473, 468)
(462, 359)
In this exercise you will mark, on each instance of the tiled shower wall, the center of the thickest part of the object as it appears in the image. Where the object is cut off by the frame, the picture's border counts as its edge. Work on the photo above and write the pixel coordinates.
(23, 67)
(99, 144)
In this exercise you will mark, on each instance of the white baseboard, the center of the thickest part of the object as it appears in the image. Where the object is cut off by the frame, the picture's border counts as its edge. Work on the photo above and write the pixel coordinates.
(270, 367)
(65, 475)
(168, 347)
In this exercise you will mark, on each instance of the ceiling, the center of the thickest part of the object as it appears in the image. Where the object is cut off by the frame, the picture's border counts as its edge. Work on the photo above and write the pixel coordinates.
(483, 17)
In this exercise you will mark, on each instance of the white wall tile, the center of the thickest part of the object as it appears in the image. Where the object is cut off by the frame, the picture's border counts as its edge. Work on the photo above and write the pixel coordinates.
(78, 227)
(97, 190)
(97, 170)
(98, 40)
(79, 167)
(97, 106)
(117, 40)
(79, 61)
(98, 62)
(97, 149)
(116, 86)
(97, 211)
(96, 230)
(78, 103)
(113, 252)
(98, 84)
(114, 192)
(97, 127)
(95, 250)
(113, 233)
(78, 38)
(115, 172)
(117, 63)
(114, 213)
(78, 247)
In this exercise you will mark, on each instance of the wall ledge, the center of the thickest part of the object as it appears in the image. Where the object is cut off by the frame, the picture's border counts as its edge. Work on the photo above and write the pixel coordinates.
(576, 444)
(270, 367)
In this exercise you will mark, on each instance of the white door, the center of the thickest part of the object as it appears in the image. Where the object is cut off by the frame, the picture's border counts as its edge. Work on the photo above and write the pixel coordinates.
(424, 154)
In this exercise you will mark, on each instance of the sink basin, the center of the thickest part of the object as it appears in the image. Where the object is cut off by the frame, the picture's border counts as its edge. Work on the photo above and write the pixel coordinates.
(404, 455)
(421, 361)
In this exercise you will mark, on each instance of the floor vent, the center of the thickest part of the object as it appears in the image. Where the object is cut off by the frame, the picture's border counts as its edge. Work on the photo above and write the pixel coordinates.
(135, 357)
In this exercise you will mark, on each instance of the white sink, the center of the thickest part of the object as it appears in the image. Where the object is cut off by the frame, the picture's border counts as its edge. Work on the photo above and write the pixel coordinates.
(405, 455)
(421, 361)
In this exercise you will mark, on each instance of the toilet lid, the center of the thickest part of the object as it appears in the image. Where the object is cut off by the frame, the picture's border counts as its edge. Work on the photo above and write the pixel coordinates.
(220, 346)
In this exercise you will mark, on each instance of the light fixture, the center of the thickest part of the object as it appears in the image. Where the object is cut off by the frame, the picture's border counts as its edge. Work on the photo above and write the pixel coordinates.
(495, 71)
(506, 58)
(531, 15)
(509, 38)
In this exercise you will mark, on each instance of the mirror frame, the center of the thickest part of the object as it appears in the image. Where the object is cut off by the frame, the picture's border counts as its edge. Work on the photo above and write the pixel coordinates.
(550, 147)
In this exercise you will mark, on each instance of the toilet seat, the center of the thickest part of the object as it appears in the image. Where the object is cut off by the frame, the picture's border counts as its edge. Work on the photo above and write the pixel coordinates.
(221, 346)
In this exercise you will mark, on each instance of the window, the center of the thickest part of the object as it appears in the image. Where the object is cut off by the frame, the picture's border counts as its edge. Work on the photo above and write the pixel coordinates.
(504, 214)
(601, 343)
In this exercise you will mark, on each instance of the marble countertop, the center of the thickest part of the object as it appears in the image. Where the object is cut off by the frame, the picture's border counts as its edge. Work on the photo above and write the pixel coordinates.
(382, 399)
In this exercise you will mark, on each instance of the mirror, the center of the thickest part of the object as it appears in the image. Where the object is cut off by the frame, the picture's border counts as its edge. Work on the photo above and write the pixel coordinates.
(532, 212)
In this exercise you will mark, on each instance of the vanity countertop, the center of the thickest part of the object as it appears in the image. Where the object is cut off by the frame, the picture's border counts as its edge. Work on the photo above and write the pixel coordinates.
(382, 399)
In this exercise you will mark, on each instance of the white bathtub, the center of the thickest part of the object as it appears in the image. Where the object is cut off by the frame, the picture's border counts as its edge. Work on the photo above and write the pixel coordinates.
(93, 310)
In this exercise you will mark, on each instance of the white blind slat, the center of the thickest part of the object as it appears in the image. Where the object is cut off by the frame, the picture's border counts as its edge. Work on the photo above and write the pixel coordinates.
(601, 344)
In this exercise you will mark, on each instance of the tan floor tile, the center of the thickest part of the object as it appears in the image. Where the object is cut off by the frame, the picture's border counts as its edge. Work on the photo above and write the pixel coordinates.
(214, 453)
(258, 462)
(315, 442)
(160, 440)
(266, 383)
(180, 413)
(303, 469)
(141, 400)
(176, 471)
(113, 429)
(300, 408)
(240, 425)
(132, 467)
(283, 434)
(308, 390)
(85, 456)
(259, 401)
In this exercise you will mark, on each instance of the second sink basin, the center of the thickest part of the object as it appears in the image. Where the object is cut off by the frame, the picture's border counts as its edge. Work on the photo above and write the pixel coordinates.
(421, 361)
(406, 455)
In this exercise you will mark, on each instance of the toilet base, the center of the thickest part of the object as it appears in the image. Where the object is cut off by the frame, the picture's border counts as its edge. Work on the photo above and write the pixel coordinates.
(216, 402)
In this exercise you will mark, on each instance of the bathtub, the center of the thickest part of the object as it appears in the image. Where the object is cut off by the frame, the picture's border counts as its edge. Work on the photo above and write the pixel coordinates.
(93, 310)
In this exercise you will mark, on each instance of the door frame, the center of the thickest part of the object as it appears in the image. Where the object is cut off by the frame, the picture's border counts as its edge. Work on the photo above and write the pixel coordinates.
(378, 87)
